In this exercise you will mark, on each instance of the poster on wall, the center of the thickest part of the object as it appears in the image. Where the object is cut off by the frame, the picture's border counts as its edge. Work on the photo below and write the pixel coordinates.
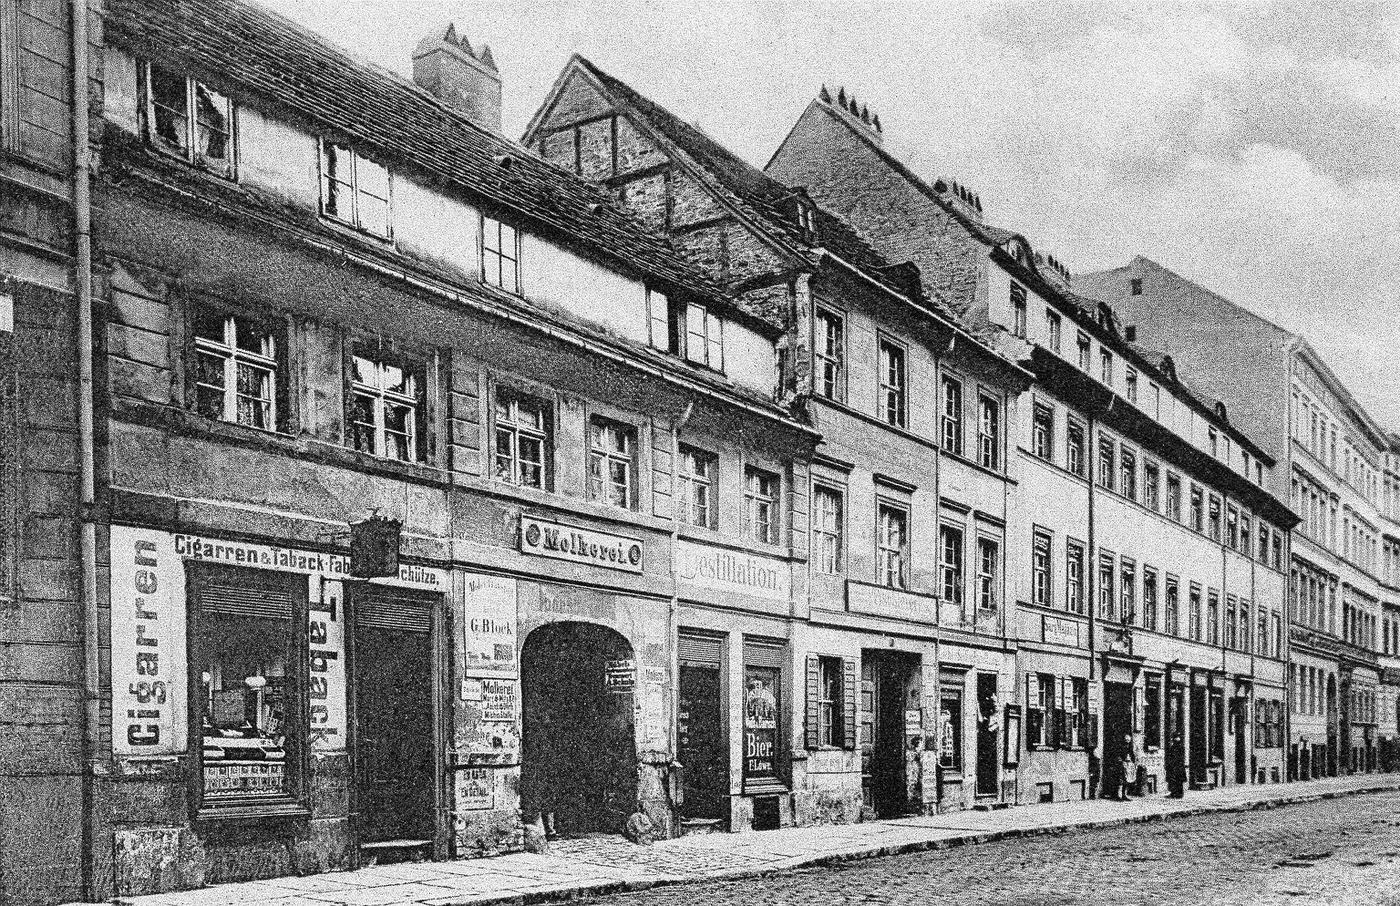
(149, 717)
(620, 676)
(489, 623)
(498, 700)
(476, 789)
(325, 636)
(761, 724)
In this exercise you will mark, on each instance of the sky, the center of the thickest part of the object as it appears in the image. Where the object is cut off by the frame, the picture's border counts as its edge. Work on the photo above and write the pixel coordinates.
(1251, 147)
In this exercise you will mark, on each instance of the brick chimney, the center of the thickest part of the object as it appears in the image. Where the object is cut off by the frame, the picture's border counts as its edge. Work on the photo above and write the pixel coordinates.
(960, 197)
(468, 82)
(855, 113)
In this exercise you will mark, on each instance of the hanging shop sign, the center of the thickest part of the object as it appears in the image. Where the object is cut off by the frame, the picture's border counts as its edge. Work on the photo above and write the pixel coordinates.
(489, 623)
(620, 676)
(148, 644)
(761, 724)
(723, 570)
(545, 538)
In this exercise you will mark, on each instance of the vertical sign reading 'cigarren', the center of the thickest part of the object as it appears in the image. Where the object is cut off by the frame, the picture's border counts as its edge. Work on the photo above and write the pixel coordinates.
(148, 644)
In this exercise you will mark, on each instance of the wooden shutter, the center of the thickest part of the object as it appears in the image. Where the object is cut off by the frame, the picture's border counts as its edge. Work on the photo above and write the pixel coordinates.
(849, 689)
(814, 679)
(1034, 716)
(1063, 735)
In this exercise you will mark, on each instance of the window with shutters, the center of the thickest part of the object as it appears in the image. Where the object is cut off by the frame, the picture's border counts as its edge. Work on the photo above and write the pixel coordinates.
(388, 404)
(827, 512)
(187, 119)
(355, 190)
(831, 703)
(238, 368)
(524, 439)
(247, 649)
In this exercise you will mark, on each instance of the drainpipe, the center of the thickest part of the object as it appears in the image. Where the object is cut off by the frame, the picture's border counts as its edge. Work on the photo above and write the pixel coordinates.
(82, 267)
(673, 618)
(938, 588)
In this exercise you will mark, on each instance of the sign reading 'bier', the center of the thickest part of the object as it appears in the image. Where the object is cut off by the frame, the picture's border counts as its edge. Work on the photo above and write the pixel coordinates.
(546, 538)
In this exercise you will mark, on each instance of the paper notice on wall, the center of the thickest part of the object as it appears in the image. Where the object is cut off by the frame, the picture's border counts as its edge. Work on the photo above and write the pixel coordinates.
(476, 789)
(149, 716)
(489, 622)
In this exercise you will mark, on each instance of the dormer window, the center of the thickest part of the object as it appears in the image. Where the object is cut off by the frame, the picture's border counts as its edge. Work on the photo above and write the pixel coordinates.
(355, 190)
(188, 119)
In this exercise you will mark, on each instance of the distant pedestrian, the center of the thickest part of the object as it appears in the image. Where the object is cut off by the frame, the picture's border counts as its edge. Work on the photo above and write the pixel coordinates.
(1176, 766)
(1127, 769)
(1094, 772)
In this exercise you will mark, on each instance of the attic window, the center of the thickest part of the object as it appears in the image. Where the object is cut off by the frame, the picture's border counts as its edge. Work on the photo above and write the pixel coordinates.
(187, 119)
(686, 329)
(1135, 286)
(355, 190)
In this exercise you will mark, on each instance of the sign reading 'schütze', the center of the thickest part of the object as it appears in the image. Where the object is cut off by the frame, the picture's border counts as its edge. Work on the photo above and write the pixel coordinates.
(546, 538)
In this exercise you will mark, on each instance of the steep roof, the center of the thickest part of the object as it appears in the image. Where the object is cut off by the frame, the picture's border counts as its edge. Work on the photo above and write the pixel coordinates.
(750, 189)
(265, 60)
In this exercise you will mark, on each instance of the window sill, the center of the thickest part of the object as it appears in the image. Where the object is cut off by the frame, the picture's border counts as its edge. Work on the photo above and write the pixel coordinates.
(253, 811)
(356, 232)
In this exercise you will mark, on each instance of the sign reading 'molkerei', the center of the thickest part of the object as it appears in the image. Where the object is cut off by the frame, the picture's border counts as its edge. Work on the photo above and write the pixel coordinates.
(546, 538)
(720, 569)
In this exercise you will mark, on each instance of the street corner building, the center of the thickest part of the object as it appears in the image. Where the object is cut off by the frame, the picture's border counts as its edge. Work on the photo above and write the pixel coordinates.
(375, 487)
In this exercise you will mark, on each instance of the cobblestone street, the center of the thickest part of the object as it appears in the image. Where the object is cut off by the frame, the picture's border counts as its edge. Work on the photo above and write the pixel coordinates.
(1343, 851)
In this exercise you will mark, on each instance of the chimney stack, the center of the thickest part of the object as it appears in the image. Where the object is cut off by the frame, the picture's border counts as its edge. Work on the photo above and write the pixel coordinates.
(855, 113)
(960, 197)
(447, 68)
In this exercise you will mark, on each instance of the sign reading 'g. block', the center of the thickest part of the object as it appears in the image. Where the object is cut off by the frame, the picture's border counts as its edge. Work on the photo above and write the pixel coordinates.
(545, 538)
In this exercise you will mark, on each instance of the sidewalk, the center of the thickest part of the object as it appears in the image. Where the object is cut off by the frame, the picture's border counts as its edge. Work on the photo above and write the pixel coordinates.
(595, 866)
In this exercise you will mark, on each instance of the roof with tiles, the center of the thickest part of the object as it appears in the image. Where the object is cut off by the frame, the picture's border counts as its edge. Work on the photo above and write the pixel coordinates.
(752, 190)
(264, 60)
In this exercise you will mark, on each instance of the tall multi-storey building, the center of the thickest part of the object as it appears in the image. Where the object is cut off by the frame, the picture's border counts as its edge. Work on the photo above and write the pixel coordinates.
(1333, 460)
(1146, 554)
(899, 644)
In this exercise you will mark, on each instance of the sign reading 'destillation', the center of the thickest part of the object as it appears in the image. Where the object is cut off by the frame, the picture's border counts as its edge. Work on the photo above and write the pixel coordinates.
(718, 569)
(148, 644)
(545, 538)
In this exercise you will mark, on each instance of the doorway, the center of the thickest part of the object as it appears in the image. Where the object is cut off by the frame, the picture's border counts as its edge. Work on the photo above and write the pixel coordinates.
(1199, 734)
(395, 744)
(1239, 713)
(889, 700)
(1117, 734)
(988, 733)
(700, 729)
(579, 752)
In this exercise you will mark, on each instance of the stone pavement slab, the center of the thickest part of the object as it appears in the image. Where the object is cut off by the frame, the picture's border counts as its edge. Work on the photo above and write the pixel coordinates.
(600, 865)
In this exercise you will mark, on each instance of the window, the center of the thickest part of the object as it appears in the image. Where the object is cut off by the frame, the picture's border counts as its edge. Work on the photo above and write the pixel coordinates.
(1173, 497)
(524, 434)
(1042, 430)
(1108, 604)
(1074, 448)
(830, 703)
(1052, 330)
(952, 416)
(988, 433)
(386, 406)
(1246, 638)
(1213, 617)
(1246, 542)
(1128, 472)
(612, 449)
(1172, 613)
(892, 383)
(1106, 367)
(1040, 568)
(236, 363)
(703, 335)
(247, 647)
(831, 355)
(760, 505)
(1193, 613)
(1106, 455)
(1040, 706)
(1079, 712)
(1074, 576)
(1214, 437)
(1131, 380)
(1128, 590)
(1232, 527)
(950, 720)
(1018, 309)
(695, 487)
(1149, 598)
(172, 102)
(354, 190)
(988, 591)
(1231, 635)
(1084, 353)
(1152, 712)
(826, 528)
(950, 563)
(1135, 286)
(1197, 509)
(892, 545)
(500, 255)
(1151, 486)
(1214, 518)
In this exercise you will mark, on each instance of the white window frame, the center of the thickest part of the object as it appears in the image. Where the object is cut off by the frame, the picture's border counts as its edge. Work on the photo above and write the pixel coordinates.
(830, 354)
(381, 399)
(496, 250)
(232, 357)
(697, 482)
(189, 153)
(893, 382)
(601, 458)
(355, 218)
(756, 502)
(827, 528)
(513, 427)
(891, 551)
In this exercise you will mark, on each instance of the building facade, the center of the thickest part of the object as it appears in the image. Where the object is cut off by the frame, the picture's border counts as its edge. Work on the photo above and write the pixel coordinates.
(1333, 464)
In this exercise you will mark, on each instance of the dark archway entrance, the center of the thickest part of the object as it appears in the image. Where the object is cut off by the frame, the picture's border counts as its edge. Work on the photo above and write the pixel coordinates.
(579, 754)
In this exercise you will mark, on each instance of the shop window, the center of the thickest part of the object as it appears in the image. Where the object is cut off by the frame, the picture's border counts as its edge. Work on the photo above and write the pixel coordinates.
(238, 368)
(172, 102)
(248, 639)
(1152, 712)
(1216, 727)
(893, 384)
(612, 452)
(763, 764)
(950, 721)
(1040, 710)
(950, 563)
(892, 545)
(761, 505)
(831, 355)
(988, 433)
(524, 439)
(827, 530)
(355, 190)
(952, 417)
(696, 487)
(831, 703)
(1040, 568)
(1074, 448)
(1042, 430)
(388, 404)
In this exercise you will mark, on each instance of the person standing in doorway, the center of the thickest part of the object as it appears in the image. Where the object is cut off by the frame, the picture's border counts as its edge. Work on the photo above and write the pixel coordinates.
(1176, 765)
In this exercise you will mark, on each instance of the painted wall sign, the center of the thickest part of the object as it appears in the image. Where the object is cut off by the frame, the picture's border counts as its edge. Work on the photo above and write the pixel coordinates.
(545, 538)
(761, 723)
(489, 623)
(326, 665)
(720, 569)
(149, 717)
(620, 676)
(1059, 631)
(262, 556)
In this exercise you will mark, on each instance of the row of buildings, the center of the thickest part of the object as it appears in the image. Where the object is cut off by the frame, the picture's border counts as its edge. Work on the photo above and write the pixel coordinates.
(739, 498)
